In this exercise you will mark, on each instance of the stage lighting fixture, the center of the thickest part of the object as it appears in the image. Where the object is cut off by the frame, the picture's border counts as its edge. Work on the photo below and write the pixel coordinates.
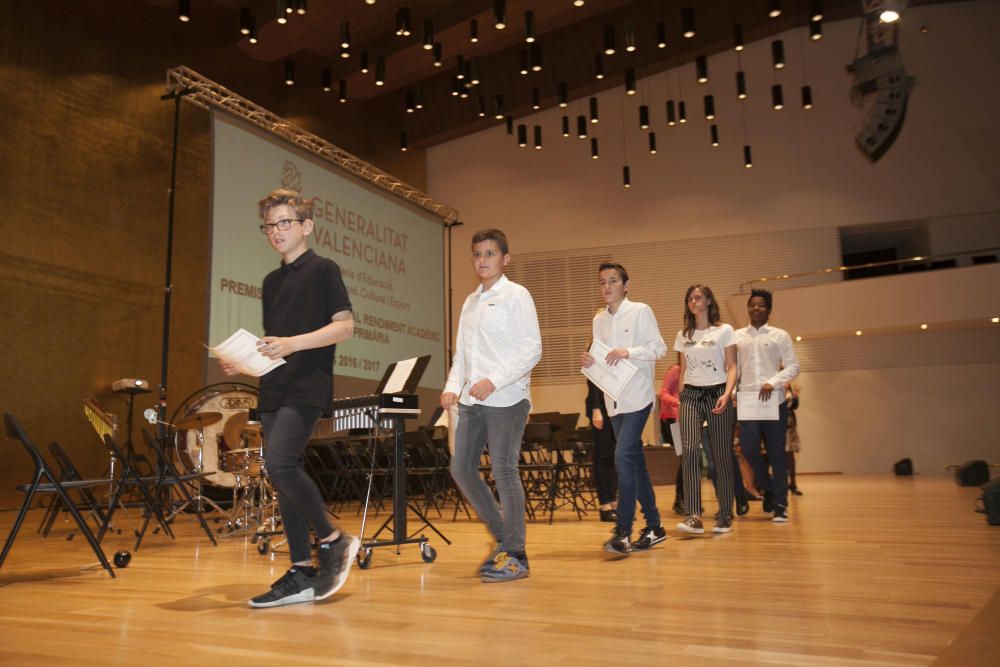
(687, 22)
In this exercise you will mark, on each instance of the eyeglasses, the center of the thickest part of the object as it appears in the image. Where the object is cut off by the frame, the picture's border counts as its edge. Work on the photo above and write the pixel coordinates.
(282, 225)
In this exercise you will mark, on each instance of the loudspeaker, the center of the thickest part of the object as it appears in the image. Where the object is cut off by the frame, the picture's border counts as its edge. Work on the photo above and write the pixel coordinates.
(903, 467)
(972, 473)
(991, 502)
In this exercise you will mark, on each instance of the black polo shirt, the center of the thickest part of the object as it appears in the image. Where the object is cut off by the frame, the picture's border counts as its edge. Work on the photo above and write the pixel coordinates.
(298, 298)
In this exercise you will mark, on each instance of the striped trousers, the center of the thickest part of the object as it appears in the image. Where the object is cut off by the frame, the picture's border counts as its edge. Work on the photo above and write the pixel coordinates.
(696, 409)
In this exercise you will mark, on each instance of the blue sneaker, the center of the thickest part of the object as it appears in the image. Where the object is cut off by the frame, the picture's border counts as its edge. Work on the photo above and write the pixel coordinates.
(487, 565)
(506, 568)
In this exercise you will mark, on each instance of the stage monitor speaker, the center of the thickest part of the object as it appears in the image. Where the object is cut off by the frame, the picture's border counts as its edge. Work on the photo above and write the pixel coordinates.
(972, 473)
(991, 502)
(903, 467)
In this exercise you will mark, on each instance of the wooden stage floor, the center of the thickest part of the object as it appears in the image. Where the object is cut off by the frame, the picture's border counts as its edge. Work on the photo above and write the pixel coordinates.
(871, 570)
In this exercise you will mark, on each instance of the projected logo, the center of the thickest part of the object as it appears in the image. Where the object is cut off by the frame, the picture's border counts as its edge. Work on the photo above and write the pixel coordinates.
(291, 177)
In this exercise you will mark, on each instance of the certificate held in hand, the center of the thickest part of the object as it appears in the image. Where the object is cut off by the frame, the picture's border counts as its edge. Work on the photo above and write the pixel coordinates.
(750, 406)
(609, 379)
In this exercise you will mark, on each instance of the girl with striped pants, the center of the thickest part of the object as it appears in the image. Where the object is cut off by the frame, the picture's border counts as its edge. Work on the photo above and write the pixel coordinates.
(706, 349)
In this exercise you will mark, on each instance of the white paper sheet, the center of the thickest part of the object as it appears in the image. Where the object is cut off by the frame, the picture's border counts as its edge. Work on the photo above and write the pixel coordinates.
(749, 407)
(397, 381)
(675, 432)
(240, 350)
(610, 379)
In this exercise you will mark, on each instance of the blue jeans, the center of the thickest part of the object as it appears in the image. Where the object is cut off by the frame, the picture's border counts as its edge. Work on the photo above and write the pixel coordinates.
(774, 432)
(503, 429)
(633, 478)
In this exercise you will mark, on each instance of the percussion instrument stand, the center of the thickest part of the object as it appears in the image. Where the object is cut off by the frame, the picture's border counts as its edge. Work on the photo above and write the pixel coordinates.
(198, 498)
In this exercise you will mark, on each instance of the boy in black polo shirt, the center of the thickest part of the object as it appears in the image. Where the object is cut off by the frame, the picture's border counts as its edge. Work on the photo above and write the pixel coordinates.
(306, 313)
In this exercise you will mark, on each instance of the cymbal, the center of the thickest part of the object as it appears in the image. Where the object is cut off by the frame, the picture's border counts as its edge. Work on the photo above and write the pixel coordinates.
(233, 430)
(198, 420)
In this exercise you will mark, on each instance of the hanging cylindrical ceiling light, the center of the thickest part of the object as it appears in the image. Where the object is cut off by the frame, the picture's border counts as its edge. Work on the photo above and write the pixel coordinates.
(499, 14)
(289, 72)
(671, 113)
(581, 127)
(563, 94)
(594, 118)
(609, 40)
(510, 125)
(473, 31)
(778, 54)
(529, 26)
(411, 102)
(482, 107)
(437, 54)
(326, 80)
(644, 117)
(345, 53)
(807, 97)
(738, 37)
(777, 97)
(741, 85)
(709, 107)
(428, 34)
(626, 177)
(747, 157)
(345, 35)
(682, 116)
(714, 135)
(284, 9)
(522, 135)
(652, 143)
(630, 45)
(460, 67)
(687, 22)
(183, 10)
(473, 73)
(661, 35)
(246, 18)
(536, 57)
(525, 66)
(815, 30)
(498, 107)
(380, 71)
(816, 10)
(565, 126)
(630, 81)
(342, 91)
(701, 69)
(403, 22)
(538, 137)
(599, 66)
(594, 152)
(403, 145)
(536, 99)
(252, 35)
(300, 7)
(774, 8)
(364, 62)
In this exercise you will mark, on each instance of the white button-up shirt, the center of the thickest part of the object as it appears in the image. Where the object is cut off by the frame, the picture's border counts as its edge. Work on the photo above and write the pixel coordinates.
(633, 327)
(498, 338)
(766, 356)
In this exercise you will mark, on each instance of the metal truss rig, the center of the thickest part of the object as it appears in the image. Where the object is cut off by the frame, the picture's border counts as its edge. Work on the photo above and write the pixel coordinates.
(209, 95)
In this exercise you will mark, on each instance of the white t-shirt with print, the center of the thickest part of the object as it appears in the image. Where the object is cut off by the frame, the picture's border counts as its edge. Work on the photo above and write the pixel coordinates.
(705, 354)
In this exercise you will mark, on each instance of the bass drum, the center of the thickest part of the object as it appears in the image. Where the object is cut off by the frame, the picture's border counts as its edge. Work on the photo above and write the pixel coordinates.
(208, 445)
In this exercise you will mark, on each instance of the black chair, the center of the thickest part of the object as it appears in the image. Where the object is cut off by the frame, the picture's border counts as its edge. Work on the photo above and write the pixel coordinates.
(87, 502)
(130, 478)
(45, 481)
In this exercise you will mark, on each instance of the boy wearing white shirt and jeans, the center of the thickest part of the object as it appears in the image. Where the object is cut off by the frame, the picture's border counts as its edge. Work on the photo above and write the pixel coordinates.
(629, 329)
(498, 344)
(767, 364)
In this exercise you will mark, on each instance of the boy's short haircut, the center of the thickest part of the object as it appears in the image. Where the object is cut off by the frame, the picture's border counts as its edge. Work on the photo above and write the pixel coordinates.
(492, 235)
(622, 273)
(303, 207)
(764, 294)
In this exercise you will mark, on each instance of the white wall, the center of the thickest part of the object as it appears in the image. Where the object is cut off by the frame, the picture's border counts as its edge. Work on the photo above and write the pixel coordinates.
(807, 174)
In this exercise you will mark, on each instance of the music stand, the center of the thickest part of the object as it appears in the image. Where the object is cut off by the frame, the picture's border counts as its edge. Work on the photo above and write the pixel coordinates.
(400, 377)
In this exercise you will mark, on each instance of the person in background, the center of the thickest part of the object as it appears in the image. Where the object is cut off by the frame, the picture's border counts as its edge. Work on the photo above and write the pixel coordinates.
(669, 402)
(605, 477)
(792, 443)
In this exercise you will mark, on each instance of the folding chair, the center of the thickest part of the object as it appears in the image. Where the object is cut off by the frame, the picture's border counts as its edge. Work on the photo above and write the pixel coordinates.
(39, 485)
(87, 501)
(130, 478)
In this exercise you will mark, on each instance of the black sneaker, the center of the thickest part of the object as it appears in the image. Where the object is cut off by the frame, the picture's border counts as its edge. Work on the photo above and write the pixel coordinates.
(768, 502)
(335, 561)
(609, 516)
(620, 543)
(742, 506)
(723, 524)
(293, 587)
(649, 536)
(780, 515)
(796, 491)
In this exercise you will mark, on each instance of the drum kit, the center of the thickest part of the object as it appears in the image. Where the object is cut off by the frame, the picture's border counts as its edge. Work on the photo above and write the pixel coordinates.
(219, 434)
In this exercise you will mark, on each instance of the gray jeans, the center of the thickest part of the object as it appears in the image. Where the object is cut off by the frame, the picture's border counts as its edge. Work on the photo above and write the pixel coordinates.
(503, 429)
